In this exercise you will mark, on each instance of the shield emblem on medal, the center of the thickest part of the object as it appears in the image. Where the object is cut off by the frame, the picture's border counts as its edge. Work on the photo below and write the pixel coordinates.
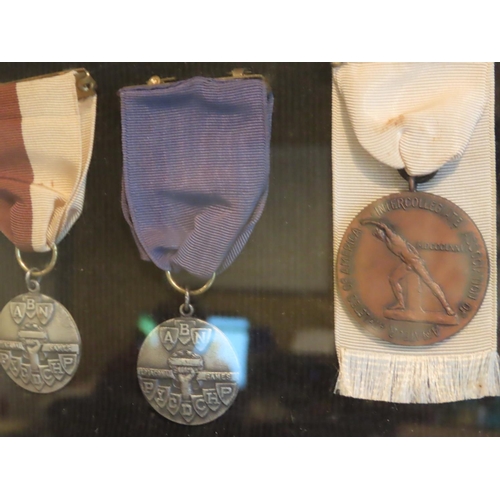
(174, 403)
(39, 343)
(17, 311)
(25, 373)
(37, 381)
(5, 359)
(56, 368)
(227, 392)
(192, 378)
(187, 411)
(44, 312)
(47, 375)
(68, 363)
(211, 399)
(169, 337)
(199, 405)
(162, 395)
(15, 366)
(201, 338)
(148, 387)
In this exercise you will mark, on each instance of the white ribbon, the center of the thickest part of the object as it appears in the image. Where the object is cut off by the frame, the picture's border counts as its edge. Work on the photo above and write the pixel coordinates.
(58, 134)
(421, 117)
(414, 116)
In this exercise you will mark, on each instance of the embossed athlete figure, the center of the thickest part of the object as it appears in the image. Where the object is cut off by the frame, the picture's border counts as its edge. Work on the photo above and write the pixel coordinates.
(411, 262)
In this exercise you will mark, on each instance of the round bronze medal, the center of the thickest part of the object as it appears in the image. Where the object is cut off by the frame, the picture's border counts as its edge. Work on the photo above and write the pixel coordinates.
(412, 268)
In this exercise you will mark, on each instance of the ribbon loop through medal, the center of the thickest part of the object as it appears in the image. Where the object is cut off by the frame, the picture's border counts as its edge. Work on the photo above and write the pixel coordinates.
(415, 302)
(196, 173)
(37, 273)
(198, 377)
(198, 291)
(425, 254)
(187, 308)
(46, 137)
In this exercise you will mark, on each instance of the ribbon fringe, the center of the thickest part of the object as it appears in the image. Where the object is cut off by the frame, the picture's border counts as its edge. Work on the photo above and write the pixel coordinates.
(418, 379)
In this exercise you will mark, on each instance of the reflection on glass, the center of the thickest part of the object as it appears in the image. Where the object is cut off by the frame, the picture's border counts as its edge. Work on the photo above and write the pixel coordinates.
(237, 332)
(145, 324)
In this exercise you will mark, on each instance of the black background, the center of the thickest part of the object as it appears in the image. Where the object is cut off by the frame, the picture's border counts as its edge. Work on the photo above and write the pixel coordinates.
(282, 283)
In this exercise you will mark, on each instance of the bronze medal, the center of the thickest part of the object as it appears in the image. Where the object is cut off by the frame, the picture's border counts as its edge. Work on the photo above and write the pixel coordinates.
(412, 268)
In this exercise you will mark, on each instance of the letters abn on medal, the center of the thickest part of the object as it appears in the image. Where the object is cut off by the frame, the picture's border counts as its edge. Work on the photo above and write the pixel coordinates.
(46, 137)
(186, 144)
(39, 343)
(188, 371)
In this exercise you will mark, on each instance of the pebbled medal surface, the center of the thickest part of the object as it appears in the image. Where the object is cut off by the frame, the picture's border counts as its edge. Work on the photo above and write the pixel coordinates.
(412, 269)
(188, 371)
(39, 343)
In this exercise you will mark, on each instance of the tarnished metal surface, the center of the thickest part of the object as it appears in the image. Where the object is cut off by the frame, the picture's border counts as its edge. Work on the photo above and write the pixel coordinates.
(412, 268)
(39, 343)
(188, 371)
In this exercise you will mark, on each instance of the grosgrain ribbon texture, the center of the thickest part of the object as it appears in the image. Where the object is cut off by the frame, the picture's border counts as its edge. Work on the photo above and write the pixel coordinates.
(465, 366)
(196, 169)
(414, 116)
(46, 139)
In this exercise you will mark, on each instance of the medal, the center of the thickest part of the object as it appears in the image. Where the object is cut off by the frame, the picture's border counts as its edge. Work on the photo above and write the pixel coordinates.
(415, 280)
(412, 268)
(46, 135)
(193, 378)
(196, 168)
(39, 340)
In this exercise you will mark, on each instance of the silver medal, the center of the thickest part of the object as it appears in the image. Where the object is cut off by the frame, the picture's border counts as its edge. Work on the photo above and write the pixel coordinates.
(188, 370)
(39, 343)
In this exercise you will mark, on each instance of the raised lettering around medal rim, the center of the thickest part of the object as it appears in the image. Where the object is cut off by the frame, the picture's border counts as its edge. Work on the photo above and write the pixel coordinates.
(188, 371)
(412, 269)
(39, 343)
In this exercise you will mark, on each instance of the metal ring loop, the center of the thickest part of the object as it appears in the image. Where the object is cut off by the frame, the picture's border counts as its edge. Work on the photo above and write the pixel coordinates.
(35, 272)
(32, 284)
(190, 310)
(187, 299)
(199, 291)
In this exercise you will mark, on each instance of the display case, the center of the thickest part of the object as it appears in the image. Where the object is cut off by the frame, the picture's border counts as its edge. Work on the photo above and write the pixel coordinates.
(274, 303)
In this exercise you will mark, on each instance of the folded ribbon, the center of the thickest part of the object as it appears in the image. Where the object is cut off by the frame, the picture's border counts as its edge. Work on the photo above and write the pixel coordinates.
(417, 116)
(196, 169)
(46, 138)
(414, 116)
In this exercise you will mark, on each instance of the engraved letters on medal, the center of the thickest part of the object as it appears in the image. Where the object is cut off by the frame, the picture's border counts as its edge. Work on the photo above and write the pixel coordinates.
(188, 371)
(46, 159)
(415, 269)
(39, 343)
(203, 139)
(412, 268)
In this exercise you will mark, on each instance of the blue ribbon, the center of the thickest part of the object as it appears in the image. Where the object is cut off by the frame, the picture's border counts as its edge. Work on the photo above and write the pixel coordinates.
(196, 169)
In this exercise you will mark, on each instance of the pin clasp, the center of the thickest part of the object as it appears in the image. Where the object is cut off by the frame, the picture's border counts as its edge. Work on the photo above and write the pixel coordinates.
(85, 84)
(245, 73)
(156, 80)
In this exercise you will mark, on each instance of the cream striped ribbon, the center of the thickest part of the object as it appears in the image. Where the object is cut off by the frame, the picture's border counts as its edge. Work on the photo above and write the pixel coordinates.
(423, 117)
(46, 139)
